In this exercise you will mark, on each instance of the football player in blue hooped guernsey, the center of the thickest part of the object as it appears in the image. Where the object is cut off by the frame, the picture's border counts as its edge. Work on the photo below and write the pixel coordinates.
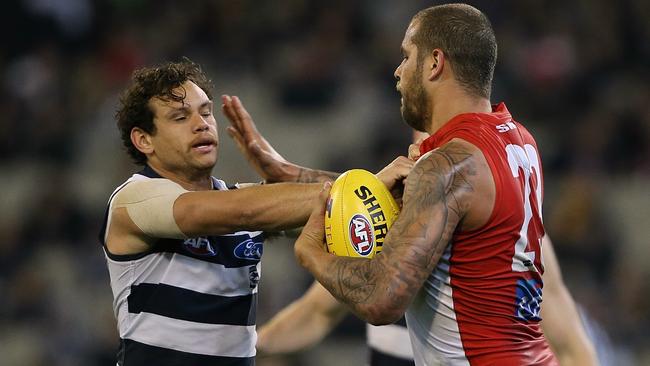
(183, 250)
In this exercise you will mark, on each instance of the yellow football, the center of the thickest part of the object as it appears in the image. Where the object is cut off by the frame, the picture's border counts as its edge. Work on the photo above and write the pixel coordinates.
(360, 209)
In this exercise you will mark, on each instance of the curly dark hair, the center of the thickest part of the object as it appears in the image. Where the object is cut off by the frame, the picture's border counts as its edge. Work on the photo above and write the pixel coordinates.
(149, 82)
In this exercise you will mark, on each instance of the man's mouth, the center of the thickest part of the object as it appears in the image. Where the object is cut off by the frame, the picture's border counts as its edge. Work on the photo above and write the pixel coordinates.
(204, 148)
(204, 145)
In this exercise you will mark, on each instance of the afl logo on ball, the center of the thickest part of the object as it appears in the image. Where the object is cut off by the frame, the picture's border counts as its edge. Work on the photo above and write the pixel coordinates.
(361, 235)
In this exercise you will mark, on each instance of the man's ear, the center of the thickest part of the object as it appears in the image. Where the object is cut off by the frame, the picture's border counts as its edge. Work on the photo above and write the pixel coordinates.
(435, 64)
(141, 140)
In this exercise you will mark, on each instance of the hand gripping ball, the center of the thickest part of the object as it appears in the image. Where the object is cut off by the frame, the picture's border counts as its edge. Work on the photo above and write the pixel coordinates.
(360, 209)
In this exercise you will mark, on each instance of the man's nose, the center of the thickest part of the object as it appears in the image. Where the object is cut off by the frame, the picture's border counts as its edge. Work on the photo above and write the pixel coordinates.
(201, 123)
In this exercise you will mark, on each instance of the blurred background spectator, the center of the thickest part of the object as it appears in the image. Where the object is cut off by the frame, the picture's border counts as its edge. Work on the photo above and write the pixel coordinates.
(318, 79)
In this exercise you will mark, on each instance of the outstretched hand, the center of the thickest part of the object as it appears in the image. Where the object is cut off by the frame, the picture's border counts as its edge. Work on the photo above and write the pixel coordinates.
(267, 162)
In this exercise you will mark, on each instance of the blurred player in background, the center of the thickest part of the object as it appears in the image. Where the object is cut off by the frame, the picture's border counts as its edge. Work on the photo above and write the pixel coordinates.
(309, 319)
(464, 258)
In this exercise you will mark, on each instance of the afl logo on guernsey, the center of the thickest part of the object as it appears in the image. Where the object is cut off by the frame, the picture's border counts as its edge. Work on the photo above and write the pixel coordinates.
(199, 246)
(248, 249)
(361, 235)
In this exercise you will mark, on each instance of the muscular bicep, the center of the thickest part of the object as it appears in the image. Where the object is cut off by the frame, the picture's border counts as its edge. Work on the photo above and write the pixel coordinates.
(439, 193)
(150, 206)
(141, 212)
(436, 198)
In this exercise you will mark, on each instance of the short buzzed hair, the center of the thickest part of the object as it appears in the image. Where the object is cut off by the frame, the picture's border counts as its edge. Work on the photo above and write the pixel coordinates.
(466, 37)
(149, 82)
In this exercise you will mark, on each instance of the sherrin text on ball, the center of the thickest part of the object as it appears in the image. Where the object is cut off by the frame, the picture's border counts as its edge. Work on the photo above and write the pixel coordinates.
(360, 210)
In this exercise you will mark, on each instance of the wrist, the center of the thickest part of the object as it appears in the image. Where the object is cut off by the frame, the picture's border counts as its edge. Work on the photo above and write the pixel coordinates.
(283, 173)
(310, 257)
(303, 256)
(293, 172)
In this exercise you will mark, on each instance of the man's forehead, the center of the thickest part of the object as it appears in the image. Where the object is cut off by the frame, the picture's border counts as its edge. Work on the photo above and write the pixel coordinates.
(189, 92)
(413, 26)
(164, 103)
(410, 33)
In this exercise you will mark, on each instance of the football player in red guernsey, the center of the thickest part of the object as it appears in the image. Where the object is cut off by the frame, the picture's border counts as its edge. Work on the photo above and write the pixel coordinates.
(463, 260)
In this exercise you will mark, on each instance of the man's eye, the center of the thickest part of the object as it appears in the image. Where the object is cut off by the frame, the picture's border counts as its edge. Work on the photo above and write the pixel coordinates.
(179, 118)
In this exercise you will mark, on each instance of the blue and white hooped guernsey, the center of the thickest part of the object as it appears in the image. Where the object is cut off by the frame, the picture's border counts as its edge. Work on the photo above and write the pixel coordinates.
(187, 302)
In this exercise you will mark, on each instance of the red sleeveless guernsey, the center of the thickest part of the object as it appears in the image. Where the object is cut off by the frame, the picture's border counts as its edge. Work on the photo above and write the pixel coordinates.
(481, 304)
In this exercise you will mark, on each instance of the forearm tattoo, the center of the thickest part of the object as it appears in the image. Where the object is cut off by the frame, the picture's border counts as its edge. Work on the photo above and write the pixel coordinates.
(314, 176)
(435, 200)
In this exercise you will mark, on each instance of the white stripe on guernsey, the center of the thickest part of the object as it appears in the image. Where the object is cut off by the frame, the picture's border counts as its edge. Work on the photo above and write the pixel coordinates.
(431, 320)
(391, 339)
(186, 272)
(185, 336)
(252, 233)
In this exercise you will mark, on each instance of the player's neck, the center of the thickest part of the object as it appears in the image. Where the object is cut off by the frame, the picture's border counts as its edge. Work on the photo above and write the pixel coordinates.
(456, 101)
(192, 181)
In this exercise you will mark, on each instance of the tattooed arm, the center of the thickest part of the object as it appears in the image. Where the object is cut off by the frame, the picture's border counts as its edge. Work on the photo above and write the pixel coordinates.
(439, 195)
